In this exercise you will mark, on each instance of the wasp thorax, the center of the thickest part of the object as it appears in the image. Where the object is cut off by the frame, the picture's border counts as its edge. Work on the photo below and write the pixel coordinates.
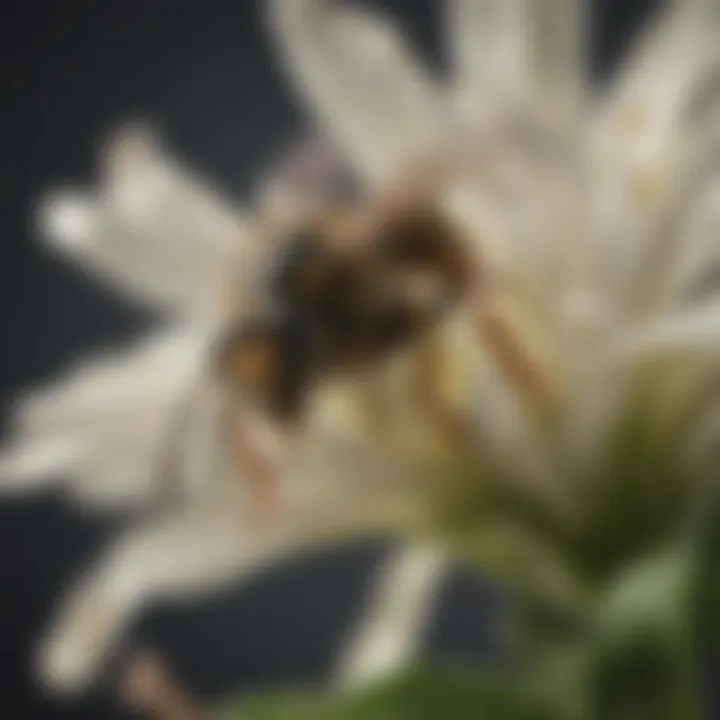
(427, 255)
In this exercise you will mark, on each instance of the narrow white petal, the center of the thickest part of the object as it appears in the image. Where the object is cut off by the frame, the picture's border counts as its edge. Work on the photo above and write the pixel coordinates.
(518, 49)
(399, 608)
(488, 42)
(640, 146)
(697, 246)
(106, 429)
(27, 467)
(361, 80)
(506, 434)
(175, 555)
(559, 51)
(69, 218)
(333, 491)
(152, 230)
(696, 330)
(707, 10)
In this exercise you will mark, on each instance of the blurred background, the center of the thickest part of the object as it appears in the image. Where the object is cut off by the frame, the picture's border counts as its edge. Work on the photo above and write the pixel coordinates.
(204, 73)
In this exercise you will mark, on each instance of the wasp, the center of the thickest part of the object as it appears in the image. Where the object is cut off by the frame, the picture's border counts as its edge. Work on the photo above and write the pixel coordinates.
(359, 279)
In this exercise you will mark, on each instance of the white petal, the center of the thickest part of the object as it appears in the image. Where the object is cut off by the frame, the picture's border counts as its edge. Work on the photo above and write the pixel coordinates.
(175, 555)
(399, 609)
(516, 48)
(559, 56)
(696, 331)
(640, 147)
(27, 466)
(105, 430)
(208, 545)
(152, 230)
(697, 246)
(488, 42)
(360, 80)
(506, 434)
(70, 218)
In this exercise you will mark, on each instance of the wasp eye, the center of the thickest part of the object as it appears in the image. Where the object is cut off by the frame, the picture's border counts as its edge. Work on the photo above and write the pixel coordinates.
(426, 242)
(392, 326)
(271, 360)
(248, 357)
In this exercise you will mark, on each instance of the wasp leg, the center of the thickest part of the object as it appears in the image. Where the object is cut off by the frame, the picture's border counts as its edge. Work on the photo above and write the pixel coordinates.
(426, 378)
(258, 448)
(494, 331)
(148, 687)
(375, 405)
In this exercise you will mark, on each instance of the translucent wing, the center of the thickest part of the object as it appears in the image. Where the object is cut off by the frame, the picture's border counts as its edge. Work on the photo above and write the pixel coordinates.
(311, 175)
(150, 229)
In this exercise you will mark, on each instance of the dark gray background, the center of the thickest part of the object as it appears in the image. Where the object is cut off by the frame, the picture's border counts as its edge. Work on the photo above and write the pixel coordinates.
(70, 70)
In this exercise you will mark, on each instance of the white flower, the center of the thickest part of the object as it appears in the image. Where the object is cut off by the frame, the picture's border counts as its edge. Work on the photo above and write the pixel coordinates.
(595, 213)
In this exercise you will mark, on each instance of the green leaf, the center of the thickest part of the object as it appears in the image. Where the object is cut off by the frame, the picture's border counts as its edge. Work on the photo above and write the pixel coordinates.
(641, 661)
(428, 693)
